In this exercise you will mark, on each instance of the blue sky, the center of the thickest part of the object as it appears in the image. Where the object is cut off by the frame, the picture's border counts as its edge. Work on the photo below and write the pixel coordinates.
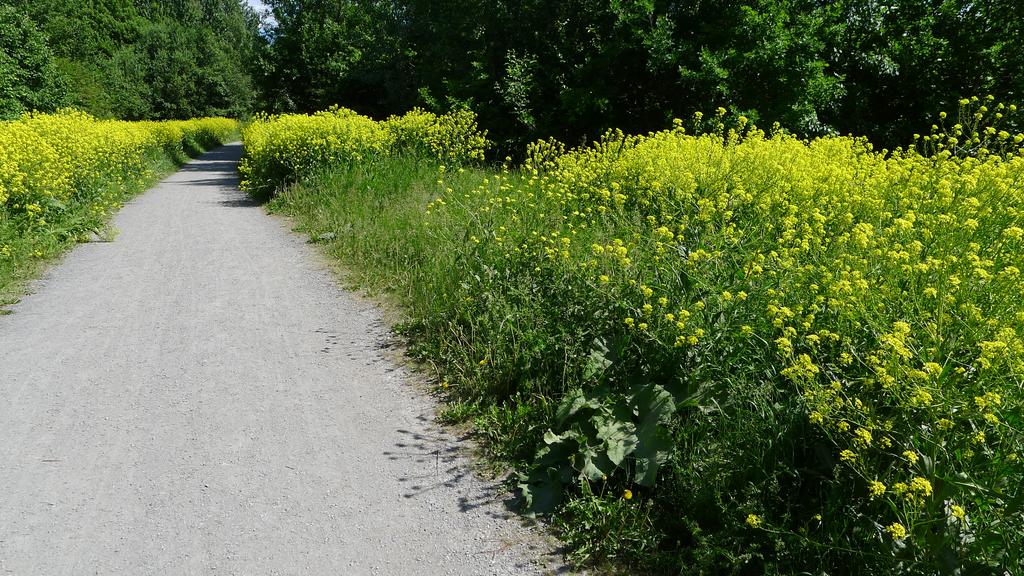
(257, 4)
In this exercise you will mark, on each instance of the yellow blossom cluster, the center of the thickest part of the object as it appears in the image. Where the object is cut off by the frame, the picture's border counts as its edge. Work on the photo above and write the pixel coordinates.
(286, 147)
(49, 160)
(452, 138)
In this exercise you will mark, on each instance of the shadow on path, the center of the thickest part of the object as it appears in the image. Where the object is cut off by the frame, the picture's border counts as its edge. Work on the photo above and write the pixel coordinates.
(218, 169)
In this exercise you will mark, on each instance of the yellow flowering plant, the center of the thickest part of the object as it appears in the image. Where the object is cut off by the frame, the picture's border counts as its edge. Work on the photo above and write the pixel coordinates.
(288, 147)
(838, 328)
(63, 174)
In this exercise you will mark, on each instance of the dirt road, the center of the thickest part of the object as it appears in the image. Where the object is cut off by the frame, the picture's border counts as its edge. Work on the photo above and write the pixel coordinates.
(198, 397)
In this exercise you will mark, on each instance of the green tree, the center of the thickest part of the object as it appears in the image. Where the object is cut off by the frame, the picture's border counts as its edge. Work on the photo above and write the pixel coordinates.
(138, 59)
(338, 52)
(28, 78)
(905, 60)
(532, 68)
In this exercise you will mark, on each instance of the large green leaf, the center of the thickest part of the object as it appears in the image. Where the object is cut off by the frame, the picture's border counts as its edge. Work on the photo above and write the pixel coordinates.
(597, 362)
(655, 407)
(572, 403)
(618, 437)
(650, 454)
(596, 465)
(542, 490)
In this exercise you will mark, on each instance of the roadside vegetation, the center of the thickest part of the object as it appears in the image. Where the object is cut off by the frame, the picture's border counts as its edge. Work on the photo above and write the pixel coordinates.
(63, 175)
(706, 351)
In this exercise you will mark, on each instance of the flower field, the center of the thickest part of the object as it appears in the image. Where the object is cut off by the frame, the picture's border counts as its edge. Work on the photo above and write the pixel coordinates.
(729, 351)
(62, 175)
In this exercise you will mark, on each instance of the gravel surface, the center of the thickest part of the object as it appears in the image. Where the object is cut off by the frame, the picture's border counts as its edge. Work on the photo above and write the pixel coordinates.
(198, 397)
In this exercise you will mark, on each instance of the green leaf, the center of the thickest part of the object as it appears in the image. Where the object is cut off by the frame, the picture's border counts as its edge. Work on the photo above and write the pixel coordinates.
(573, 402)
(655, 407)
(595, 465)
(542, 490)
(654, 404)
(552, 438)
(650, 454)
(597, 361)
(619, 437)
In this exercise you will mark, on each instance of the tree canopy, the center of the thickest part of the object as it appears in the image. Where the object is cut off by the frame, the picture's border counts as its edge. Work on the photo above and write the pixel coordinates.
(137, 59)
(571, 69)
(529, 68)
(28, 78)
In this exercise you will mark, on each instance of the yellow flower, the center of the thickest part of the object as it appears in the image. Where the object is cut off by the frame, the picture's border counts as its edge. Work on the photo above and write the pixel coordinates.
(921, 397)
(627, 495)
(862, 438)
(921, 486)
(876, 488)
(911, 456)
(958, 512)
(754, 521)
(897, 531)
(847, 455)
(785, 346)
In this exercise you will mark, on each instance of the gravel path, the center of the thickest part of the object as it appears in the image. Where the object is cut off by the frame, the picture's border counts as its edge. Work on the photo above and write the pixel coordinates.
(197, 397)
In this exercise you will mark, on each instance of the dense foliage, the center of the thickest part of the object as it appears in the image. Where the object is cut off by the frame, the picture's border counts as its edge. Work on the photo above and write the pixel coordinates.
(573, 69)
(63, 175)
(532, 69)
(28, 76)
(131, 59)
(734, 352)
